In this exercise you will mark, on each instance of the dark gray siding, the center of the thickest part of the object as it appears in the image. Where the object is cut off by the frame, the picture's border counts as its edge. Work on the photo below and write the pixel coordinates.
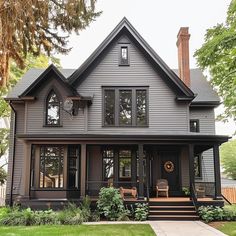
(36, 114)
(165, 114)
(206, 118)
(18, 151)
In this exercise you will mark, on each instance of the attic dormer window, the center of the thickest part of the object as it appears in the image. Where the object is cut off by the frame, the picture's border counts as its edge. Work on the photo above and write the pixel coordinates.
(52, 109)
(124, 55)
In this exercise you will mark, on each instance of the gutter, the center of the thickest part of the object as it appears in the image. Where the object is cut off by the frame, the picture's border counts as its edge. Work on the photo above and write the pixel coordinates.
(13, 155)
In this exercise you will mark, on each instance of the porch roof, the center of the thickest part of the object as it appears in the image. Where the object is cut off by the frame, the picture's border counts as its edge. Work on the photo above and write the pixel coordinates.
(145, 138)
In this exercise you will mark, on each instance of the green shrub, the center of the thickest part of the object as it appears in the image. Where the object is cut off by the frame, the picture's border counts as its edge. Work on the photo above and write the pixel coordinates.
(230, 212)
(71, 215)
(141, 211)
(211, 213)
(85, 209)
(95, 216)
(110, 204)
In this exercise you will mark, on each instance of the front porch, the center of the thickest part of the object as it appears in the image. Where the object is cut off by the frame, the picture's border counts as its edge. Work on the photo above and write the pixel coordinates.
(83, 167)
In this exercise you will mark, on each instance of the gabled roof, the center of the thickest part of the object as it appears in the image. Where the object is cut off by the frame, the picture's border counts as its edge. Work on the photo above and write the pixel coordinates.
(203, 90)
(125, 27)
(51, 70)
(29, 78)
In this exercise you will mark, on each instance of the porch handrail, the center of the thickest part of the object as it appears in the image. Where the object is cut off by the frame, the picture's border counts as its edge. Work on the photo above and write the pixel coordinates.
(194, 197)
(226, 199)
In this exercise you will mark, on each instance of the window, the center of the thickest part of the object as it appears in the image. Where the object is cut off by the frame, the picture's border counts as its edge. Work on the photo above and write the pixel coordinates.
(52, 109)
(124, 55)
(197, 166)
(125, 107)
(125, 165)
(73, 166)
(194, 126)
(108, 164)
(51, 167)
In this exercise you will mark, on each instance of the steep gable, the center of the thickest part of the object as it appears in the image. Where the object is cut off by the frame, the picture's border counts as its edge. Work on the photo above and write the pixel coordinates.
(125, 28)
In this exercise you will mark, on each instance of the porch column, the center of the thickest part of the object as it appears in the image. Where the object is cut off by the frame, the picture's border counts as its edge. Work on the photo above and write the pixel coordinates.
(141, 187)
(26, 171)
(191, 169)
(83, 170)
(217, 172)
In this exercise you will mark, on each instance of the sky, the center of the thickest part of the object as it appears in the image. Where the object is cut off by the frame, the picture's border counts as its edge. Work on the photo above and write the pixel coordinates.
(158, 22)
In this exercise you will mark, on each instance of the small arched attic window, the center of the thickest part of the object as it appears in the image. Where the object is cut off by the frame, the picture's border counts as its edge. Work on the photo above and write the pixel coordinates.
(52, 109)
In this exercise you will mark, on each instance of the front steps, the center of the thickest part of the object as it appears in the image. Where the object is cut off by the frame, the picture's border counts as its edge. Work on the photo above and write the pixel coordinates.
(176, 210)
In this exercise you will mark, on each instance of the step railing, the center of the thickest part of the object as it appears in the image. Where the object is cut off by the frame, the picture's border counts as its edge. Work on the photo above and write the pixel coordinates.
(194, 197)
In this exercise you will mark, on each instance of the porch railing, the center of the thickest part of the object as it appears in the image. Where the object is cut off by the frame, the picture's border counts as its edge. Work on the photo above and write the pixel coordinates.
(93, 187)
(204, 189)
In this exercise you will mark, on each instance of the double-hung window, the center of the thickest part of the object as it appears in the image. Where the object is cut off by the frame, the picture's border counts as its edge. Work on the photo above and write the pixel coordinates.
(125, 106)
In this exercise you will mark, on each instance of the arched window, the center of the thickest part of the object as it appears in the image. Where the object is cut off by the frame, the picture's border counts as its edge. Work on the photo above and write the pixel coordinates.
(52, 109)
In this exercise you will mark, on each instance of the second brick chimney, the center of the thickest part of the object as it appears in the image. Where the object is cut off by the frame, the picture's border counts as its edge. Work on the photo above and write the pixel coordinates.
(183, 55)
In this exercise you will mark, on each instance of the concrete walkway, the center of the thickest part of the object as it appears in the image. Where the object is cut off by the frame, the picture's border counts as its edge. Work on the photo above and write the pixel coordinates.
(172, 228)
(183, 228)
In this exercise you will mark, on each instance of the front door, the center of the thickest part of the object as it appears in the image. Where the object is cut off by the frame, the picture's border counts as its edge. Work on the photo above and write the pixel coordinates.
(170, 170)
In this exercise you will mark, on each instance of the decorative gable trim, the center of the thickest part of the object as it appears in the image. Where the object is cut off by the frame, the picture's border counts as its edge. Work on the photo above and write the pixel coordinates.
(51, 70)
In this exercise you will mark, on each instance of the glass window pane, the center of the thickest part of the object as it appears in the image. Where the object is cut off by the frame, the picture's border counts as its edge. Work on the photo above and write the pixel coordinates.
(73, 162)
(194, 126)
(197, 165)
(125, 164)
(124, 56)
(124, 53)
(109, 113)
(53, 109)
(141, 107)
(108, 168)
(51, 167)
(125, 104)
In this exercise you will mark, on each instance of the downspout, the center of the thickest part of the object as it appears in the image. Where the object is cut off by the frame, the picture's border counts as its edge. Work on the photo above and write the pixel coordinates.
(13, 155)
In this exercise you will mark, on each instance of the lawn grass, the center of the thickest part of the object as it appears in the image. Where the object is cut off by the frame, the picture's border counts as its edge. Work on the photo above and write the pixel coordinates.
(88, 230)
(229, 228)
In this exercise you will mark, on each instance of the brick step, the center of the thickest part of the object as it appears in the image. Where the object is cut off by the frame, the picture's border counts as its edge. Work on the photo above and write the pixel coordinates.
(173, 217)
(170, 212)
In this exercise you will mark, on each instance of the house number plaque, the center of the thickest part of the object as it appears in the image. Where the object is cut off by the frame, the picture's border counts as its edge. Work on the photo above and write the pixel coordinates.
(169, 166)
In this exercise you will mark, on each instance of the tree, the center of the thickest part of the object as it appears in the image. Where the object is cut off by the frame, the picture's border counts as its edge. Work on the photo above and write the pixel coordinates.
(38, 26)
(16, 73)
(218, 56)
(228, 158)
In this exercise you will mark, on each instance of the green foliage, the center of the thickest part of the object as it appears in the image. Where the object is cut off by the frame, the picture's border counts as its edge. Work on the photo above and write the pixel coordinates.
(230, 212)
(110, 203)
(186, 191)
(228, 158)
(211, 213)
(70, 215)
(218, 56)
(141, 211)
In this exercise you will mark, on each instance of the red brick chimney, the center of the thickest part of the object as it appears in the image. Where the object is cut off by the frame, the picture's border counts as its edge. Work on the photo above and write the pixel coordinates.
(183, 55)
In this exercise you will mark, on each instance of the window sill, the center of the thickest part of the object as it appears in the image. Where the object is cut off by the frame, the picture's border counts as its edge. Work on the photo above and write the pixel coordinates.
(125, 126)
(52, 126)
(124, 64)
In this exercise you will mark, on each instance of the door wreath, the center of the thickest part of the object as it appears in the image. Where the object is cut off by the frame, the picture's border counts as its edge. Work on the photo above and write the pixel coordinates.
(169, 166)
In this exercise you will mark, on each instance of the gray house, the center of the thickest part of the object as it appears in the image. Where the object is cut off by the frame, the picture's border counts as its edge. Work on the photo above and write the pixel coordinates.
(123, 118)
